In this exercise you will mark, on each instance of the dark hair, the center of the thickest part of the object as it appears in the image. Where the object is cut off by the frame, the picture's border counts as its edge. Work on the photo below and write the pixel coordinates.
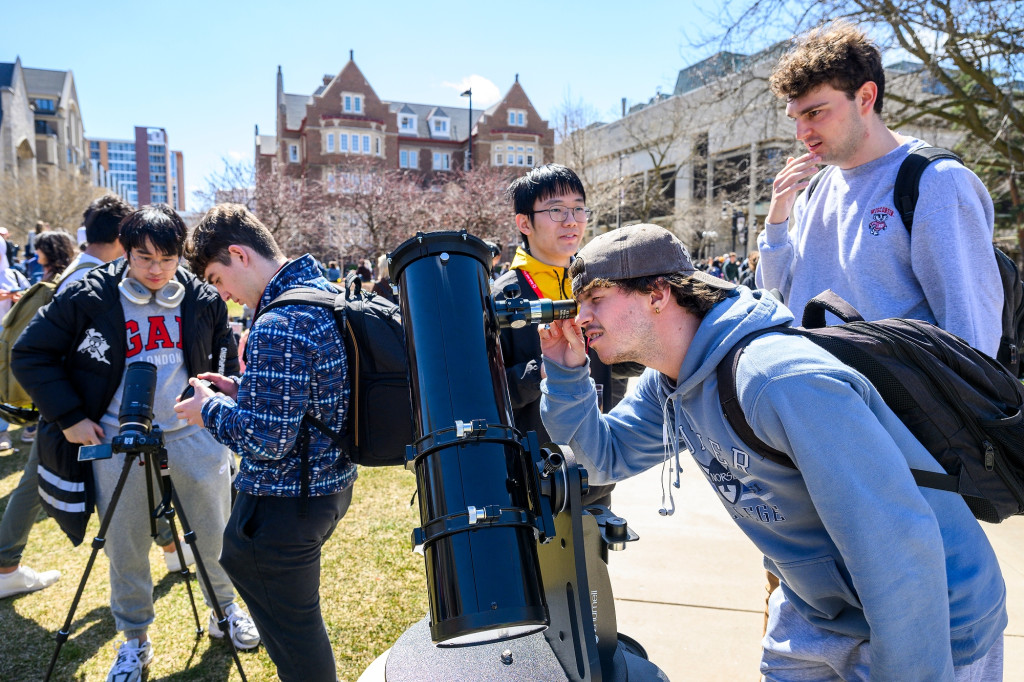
(837, 54)
(157, 222)
(103, 217)
(690, 293)
(542, 183)
(222, 226)
(59, 249)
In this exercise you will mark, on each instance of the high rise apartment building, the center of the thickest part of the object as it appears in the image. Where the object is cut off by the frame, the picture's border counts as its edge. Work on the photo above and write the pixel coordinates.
(143, 170)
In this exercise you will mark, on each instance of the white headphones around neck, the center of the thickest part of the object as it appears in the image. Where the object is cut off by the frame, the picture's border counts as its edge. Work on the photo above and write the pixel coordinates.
(169, 296)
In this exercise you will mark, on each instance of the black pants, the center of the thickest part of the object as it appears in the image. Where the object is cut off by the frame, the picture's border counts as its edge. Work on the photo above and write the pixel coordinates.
(272, 555)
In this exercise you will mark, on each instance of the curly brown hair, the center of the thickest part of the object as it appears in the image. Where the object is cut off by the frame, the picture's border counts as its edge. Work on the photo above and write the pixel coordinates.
(59, 249)
(837, 54)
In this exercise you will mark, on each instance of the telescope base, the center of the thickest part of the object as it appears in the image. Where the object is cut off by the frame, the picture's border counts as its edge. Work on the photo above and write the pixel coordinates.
(414, 658)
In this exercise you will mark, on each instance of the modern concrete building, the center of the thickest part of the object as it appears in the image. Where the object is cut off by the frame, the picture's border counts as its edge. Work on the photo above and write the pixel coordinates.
(143, 170)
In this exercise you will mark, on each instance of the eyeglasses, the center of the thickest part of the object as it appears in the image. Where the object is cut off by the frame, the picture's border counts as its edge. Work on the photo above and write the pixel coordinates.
(166, 264)
(559, 214)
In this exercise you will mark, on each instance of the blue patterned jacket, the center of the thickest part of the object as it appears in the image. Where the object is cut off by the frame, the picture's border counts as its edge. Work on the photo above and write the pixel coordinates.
(296, 364)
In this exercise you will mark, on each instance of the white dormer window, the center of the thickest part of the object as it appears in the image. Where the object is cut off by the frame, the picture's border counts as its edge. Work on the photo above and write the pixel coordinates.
(440, 126)
(407, 123)
(352, 103)
(516, 117)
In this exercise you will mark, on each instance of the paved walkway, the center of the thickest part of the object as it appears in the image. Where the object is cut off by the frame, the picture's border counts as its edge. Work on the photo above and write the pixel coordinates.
(691, 590)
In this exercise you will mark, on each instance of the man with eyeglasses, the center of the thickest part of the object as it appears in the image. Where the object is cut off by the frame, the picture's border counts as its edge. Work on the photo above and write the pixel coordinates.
(551, 214)
(72, 360)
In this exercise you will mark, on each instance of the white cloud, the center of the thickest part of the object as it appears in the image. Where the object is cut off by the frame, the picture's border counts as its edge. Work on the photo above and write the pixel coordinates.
(235, 156)
(485, 93)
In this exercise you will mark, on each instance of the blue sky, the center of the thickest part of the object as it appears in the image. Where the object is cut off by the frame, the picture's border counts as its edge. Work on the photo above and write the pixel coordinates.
(205, 71)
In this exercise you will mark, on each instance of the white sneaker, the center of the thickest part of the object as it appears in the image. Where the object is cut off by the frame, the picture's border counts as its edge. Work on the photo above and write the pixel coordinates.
(25, 580)
(171, 558)
(132, 660)
(243, 631)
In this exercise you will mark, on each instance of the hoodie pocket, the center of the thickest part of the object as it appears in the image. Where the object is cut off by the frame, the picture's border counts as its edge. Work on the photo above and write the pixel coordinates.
(817, 584)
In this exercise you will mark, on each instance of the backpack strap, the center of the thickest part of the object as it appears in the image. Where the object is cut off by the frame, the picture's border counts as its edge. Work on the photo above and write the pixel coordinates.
(828, 300)
(320, 299)
(729, 400)
(908, 179)
(815, 181)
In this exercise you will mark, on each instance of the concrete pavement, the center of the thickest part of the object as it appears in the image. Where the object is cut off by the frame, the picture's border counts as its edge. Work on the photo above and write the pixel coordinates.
(691, 590)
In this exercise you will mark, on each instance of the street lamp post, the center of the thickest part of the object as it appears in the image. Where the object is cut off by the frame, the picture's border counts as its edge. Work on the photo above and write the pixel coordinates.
(469, 140)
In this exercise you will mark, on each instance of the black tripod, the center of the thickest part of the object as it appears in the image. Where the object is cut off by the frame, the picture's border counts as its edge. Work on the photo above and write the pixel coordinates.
(149, 446)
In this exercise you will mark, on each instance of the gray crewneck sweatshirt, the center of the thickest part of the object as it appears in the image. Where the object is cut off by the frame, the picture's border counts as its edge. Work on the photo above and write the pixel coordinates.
(849, 238)
(154, 336)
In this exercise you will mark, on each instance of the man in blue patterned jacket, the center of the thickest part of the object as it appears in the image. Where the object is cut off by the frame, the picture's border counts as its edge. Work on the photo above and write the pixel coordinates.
(296, 367)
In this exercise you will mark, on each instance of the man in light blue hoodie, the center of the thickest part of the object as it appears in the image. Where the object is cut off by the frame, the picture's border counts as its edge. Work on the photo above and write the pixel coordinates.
(879, 579)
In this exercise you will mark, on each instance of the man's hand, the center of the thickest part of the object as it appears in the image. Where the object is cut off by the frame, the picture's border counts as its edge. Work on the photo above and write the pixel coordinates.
(224, 384)
(85, 432)
(562, 342)
(793, 177)
(191, 410)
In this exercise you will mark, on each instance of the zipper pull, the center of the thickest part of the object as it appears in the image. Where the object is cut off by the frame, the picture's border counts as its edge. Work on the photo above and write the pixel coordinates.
(990, 456)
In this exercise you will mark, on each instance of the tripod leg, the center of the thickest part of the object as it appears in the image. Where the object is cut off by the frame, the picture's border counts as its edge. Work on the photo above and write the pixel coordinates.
(166, 509)
(98, 542)
(190, 538)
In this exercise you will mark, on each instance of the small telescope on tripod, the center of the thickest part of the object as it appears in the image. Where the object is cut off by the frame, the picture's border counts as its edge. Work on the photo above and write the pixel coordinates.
(517, 575)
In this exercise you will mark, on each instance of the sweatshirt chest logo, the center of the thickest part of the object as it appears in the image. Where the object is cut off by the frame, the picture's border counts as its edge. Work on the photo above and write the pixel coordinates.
(879, 216)
(723, 480)
(95, 346)
(152, 334)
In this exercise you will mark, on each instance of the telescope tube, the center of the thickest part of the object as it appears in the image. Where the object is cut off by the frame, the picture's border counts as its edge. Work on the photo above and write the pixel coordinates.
(479, 529)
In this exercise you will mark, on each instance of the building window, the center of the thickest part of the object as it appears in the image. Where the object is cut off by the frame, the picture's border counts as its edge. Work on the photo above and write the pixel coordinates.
(355, 144)
(408, 159)
(376, 146)
(352, 103)
(44, 106)
(440, 126)
(366, 144)
(519, 160)
(293, 153)
(529, 159)
(516, 117)
(441, 161)
(331, 187)
(343, 142)
(407, 122)
(330, 142)
(497, 159)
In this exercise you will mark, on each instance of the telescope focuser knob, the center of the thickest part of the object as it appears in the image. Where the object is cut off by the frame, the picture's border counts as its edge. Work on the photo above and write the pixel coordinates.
(511, 291)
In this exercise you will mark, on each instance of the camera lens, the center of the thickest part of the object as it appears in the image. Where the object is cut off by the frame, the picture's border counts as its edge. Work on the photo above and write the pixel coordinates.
(136, 412)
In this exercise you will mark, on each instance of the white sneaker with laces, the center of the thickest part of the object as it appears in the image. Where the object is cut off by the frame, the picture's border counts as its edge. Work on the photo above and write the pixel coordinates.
(171, 558)
(132, 660)
(25, 580)
(243, 631)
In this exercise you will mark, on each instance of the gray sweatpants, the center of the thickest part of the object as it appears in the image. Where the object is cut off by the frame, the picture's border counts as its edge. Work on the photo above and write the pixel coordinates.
(200, 471)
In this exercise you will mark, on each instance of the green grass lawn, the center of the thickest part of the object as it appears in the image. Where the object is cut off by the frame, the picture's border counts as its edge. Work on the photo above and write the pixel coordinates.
(372, 589)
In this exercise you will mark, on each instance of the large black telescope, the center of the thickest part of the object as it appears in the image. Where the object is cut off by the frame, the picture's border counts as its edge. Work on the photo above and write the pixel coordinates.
(517, 578)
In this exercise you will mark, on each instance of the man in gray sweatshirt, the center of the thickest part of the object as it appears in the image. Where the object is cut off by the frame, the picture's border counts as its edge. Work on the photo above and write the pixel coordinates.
(848, 236)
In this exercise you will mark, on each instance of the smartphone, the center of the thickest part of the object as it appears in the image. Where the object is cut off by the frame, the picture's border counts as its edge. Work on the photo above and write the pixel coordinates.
(87, 453)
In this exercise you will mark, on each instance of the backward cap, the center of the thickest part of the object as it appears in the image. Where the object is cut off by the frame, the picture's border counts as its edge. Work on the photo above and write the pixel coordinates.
(642, 250)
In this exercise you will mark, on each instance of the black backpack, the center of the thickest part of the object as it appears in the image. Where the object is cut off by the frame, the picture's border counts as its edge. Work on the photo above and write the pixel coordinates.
(380, 410)
(963, 406)
(905, 192)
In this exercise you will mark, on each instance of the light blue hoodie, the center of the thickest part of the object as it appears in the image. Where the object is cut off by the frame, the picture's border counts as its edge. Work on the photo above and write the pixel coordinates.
(859, 548)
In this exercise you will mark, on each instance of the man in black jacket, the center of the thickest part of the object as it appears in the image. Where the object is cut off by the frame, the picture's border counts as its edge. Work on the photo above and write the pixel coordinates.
(72, 358)
(551, 214)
